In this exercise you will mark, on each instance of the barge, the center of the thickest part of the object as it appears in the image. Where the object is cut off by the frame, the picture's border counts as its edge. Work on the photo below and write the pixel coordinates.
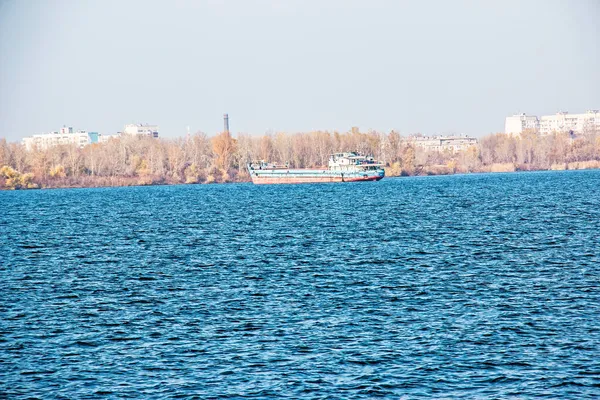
(342, 167)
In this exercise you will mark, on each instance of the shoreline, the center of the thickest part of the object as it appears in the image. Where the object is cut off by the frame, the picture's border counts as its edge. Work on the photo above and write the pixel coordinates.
(457, 173)
(199, 159)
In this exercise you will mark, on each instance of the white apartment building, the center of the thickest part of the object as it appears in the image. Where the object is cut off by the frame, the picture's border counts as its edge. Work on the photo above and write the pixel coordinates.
(559, 122)
(518, 123)
(443, 143)
(141, 129)
(65, 136)
(565, 122)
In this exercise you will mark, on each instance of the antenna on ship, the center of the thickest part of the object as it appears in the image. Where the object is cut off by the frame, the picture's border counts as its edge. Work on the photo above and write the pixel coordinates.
(226, 122)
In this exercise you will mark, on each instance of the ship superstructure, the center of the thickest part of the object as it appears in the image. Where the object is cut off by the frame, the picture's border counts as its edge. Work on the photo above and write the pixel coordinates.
(342, 167)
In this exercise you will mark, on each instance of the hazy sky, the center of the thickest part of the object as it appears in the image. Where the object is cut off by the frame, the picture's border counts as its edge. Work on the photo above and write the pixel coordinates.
(293, 65)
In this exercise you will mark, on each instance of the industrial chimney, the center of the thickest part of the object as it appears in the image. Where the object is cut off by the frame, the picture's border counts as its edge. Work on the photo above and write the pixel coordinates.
(226, 121)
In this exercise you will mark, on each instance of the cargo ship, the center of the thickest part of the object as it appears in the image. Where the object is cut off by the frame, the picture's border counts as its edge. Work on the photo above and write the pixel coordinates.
(343, 167)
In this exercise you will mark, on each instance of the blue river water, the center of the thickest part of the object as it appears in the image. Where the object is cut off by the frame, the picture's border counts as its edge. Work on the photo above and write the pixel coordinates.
(471, 286)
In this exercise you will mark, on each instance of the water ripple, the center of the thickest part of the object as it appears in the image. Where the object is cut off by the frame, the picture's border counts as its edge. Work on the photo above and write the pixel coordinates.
(463, 286)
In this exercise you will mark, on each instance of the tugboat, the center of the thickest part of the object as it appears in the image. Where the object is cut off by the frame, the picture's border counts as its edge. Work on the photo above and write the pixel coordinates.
(343, 167)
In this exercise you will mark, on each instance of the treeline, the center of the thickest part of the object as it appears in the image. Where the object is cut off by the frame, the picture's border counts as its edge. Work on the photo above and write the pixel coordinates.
(198, 158)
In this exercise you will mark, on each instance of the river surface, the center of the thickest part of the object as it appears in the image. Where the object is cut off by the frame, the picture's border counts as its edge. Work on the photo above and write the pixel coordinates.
(472, 286)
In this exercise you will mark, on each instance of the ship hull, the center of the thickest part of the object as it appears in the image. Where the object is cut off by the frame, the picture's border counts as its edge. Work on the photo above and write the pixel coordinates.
(312, 176)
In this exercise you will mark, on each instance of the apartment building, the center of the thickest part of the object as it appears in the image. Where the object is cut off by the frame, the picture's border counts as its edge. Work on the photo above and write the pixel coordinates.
(452, 143)
(520, 122)
(65, 136)
(560, 122)
(564, 122)
(141, 129)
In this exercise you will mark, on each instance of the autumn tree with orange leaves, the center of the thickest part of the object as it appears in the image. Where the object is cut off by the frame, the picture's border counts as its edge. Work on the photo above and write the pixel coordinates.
(224, 147)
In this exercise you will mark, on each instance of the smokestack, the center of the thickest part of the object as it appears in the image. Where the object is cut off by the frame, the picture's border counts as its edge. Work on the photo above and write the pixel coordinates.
(226, 121)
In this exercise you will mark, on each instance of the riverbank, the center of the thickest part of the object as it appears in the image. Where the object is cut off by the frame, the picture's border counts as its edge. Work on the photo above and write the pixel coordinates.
(130, 161)
(391, 172)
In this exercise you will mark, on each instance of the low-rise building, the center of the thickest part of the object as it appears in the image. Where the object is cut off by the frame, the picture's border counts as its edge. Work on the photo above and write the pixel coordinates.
(103, 138)
(453, 143)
